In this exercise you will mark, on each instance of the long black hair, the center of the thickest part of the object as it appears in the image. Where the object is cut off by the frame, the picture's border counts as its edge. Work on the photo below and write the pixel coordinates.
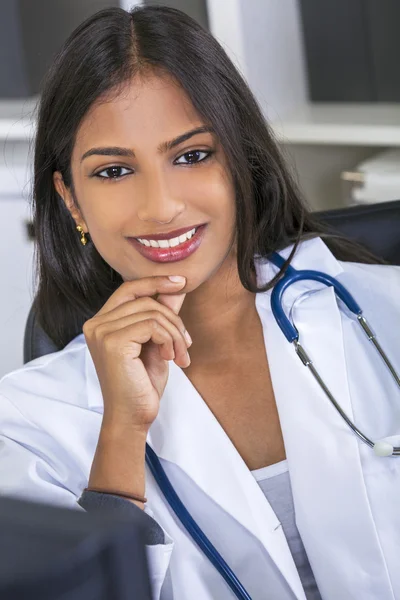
(99, 57)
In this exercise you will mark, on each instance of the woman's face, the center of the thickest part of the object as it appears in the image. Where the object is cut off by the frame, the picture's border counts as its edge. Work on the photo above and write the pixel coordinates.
(151, 189)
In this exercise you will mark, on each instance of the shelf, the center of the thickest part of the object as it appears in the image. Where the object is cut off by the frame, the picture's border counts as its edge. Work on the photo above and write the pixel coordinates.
(315, 124)
(341, 124)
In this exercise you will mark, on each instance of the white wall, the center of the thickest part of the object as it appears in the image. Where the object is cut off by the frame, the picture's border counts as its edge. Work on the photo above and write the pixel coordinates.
(128, 4)
(227, 29)
(274, 50)
(16, 253)
(264, 40)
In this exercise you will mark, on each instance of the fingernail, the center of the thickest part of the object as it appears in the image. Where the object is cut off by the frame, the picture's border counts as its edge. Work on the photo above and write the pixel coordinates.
(177, 278)
(187, 337)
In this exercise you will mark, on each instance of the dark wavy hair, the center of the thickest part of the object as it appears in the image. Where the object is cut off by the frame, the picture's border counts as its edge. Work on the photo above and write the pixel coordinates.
(99, 57)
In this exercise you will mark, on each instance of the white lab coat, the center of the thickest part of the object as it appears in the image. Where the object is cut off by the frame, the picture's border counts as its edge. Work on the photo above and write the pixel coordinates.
(346, 499)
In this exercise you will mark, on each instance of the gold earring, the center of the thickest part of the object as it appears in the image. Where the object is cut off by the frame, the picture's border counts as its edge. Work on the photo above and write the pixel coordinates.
(83, 238)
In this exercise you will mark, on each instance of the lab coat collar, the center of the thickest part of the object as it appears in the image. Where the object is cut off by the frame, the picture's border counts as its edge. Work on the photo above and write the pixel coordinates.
(187, 433)
(311, 254)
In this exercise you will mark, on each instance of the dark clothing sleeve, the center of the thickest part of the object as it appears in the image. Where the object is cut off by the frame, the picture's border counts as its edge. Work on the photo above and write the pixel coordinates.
(96, 501)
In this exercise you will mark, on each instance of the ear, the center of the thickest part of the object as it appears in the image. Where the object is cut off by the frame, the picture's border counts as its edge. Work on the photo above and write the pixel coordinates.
(68, 200)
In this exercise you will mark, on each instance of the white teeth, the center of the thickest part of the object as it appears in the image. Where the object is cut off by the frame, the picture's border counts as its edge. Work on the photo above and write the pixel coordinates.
(169, 243)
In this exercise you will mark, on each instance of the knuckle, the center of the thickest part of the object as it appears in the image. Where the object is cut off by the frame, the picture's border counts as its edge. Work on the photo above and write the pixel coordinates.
(153, 323)
(98, 332)
(179, 324)
(108, 341)
(144, 303)
(164, 322)
(154, 314)
(159, 312)
(86, 326)
(151, 302)
(156, 327)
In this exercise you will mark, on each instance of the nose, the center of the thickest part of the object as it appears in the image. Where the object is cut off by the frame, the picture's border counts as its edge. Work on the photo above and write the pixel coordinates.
(157, 203)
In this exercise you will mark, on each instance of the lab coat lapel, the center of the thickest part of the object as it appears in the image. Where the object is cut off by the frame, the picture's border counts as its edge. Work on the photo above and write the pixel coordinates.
(333, 513)
(187, 434)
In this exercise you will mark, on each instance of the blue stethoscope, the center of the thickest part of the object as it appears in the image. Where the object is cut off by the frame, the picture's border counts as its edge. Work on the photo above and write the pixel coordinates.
(381, 448)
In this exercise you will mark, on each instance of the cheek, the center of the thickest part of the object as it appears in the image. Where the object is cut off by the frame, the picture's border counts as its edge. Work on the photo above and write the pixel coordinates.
(222, 186)
(211, 190)
(105, 208)
(222, 200)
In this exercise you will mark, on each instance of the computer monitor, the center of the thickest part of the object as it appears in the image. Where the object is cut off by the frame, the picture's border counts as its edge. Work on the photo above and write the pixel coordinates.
(49, 553)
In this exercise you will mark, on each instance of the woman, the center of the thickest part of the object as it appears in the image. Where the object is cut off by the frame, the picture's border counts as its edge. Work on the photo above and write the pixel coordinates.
(146, 130)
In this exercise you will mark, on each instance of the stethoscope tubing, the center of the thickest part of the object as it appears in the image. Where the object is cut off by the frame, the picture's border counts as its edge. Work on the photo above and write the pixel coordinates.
(291, 333)
(191, 526)
(293, 275)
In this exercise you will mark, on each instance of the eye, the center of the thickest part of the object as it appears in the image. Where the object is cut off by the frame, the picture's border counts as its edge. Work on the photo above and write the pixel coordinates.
(193, 157)
(113, 172)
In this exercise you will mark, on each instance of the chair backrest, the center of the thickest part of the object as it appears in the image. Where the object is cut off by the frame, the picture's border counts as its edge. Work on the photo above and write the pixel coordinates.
(376, 226)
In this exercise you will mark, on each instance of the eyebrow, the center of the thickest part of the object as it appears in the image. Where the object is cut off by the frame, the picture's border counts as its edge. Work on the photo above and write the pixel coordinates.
(163, 147)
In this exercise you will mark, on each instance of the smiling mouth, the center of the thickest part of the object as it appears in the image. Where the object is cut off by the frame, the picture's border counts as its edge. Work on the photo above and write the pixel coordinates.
(167, 253)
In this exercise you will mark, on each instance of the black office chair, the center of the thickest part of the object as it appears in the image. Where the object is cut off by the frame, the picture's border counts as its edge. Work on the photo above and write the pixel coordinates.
(376, 226)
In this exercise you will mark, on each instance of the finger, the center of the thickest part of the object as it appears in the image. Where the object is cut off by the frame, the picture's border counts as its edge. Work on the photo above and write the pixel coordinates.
(138, 334)
(146, 286)
(173, 301)
(137, 306)
(179, 345)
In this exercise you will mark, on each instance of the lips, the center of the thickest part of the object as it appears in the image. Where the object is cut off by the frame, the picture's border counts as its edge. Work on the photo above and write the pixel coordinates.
(174, 254)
